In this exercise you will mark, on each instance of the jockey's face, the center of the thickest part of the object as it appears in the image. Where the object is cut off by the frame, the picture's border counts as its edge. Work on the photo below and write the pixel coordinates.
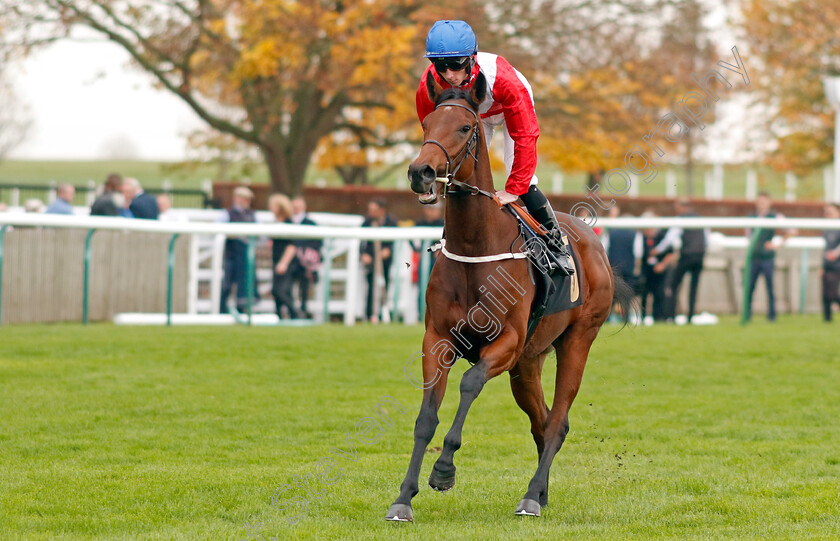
(455, 78)
(452, 69)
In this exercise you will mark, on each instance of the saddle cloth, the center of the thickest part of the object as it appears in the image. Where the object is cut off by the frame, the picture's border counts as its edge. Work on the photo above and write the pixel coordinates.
(554, 292)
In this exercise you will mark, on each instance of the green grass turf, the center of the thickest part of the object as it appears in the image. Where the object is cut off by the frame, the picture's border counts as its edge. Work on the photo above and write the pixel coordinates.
(185, 433)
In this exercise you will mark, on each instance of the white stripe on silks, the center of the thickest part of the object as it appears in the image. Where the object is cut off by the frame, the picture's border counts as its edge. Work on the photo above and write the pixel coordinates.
(487, 63)
(476, 259)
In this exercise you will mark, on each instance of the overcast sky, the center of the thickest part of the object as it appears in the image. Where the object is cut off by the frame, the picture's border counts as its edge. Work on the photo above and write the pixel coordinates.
(86, 103)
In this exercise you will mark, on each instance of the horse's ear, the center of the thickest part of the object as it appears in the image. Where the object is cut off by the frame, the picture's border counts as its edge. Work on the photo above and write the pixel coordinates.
(432, 87)
(479, 88)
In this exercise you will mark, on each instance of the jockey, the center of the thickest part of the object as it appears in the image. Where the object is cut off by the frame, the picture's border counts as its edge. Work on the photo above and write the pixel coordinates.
(455, 62)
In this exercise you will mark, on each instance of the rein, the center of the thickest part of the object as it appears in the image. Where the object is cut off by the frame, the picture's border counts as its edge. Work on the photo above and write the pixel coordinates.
(470, 148)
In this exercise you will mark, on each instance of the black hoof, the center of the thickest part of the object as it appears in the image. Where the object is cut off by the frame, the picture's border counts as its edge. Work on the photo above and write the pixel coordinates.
(528, 508)
(442, 481)
(400, 512)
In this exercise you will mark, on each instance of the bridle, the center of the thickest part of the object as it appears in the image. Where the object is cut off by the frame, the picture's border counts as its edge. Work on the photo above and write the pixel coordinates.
(470, 149)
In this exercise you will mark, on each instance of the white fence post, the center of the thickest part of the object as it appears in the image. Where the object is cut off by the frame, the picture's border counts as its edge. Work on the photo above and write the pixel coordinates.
(836, 186)
(557, 182)
(718, 176)
(752, 184)
(51, 193)
(192, 276)
(351, 287)
(217, 271)
(670, 184)
(708, 189)
(634, 187)
(90, 197)
(790, 186)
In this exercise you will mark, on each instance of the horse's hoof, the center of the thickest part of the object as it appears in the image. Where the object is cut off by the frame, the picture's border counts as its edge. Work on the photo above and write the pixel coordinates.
(400, 512)
(528, 508)
(441, 481)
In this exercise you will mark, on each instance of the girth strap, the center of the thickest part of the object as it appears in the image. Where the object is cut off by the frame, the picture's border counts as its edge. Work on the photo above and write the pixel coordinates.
(475, 259)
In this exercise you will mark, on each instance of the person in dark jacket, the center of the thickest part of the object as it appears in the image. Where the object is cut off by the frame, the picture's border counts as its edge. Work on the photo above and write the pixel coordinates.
(693, 243)
(111, 200)
(140, 204)
(307, 259)
(377, 216)
(655, 268)
(763, 254)
(282, 256)
(236, 252)
(624, 248)
(831, 263)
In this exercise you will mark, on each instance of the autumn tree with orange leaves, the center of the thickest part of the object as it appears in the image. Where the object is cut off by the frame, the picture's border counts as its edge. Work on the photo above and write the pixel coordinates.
(796, 43)
(278, 74)
(602, 72)
(335, 80)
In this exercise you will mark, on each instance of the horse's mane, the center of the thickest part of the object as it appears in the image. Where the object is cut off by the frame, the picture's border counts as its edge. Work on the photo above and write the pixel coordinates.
(457, 94)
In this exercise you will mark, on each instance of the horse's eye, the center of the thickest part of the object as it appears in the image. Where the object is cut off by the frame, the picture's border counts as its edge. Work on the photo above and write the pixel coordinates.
(465, 129)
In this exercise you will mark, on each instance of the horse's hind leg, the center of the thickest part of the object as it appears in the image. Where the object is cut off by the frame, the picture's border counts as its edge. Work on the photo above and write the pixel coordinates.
(526, 384)
(495, 359)
(572, 350)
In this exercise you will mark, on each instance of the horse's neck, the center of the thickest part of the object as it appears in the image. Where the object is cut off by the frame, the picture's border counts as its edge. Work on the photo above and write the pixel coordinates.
(475, 226)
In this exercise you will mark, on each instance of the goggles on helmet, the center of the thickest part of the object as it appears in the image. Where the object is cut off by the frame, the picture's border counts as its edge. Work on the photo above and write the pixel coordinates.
(456, 63)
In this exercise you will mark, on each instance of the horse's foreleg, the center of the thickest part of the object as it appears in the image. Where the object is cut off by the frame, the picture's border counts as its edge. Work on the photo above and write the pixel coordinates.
(495, 359)
(572, 351)
(435, 373)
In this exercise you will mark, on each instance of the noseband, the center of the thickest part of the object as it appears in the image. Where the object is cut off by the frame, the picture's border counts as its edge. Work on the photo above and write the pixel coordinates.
(470, 148)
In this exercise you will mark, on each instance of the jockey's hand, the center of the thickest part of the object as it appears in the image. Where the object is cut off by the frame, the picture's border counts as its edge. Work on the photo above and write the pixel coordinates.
(506, 197)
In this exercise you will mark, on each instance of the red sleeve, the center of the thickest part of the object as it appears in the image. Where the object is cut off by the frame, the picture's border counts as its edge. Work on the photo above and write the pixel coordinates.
(521, 122)
(424, 104)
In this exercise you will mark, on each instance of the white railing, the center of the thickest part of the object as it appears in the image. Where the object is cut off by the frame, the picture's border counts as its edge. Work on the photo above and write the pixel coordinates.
(343, 237)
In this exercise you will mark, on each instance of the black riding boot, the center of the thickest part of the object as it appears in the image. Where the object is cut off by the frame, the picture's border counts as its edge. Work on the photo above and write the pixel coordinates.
(541, 210)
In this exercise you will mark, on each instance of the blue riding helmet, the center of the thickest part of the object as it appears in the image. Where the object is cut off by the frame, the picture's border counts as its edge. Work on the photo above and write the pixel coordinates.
(450, 38)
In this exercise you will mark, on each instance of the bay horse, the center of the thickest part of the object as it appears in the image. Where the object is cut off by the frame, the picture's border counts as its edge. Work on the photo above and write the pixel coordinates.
(464, 318)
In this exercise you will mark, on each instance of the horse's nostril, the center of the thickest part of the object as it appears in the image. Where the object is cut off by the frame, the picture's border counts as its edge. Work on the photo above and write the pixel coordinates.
(422, 173)
(427, 172)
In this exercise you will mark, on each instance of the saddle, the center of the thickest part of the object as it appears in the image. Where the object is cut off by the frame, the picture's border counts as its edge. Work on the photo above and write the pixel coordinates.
(554, 292)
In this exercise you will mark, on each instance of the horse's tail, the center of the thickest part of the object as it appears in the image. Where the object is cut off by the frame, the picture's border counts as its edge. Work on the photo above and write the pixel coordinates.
(623, 297)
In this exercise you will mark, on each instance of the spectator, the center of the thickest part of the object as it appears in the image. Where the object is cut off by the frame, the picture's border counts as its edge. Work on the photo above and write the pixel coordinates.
(831, 263)
(111, 201)
(33, 205)
(375, 253)
(141, 204)
(307, 259)
(654, 272)
(236, 252)
(167, 213)
(3, 207)
(624, 249)
(763, 253)
(693, 243)
(282, 256)
(63, 203)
